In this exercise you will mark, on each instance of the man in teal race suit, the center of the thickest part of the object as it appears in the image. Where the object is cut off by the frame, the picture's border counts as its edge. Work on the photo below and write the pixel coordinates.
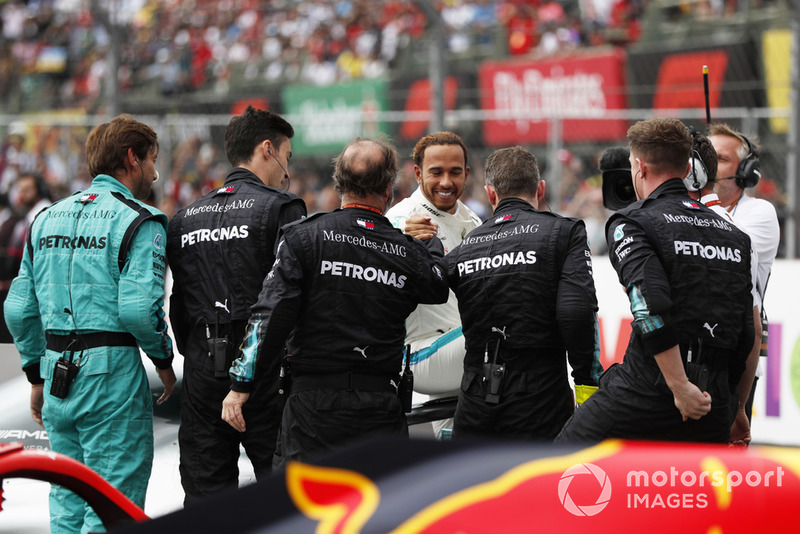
(89, 294)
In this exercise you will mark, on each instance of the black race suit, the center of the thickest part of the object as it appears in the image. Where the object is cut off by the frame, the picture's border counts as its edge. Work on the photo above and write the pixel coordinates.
(687, 275)
(524, 280)
(220, 249)
(343, 284)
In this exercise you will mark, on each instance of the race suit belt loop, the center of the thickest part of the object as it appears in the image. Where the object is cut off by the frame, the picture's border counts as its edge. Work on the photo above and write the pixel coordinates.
(348, 381)
(60, 343)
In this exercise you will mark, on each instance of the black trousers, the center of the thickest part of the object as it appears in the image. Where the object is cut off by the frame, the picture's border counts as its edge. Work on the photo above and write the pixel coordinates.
(321, 420)
(534, 405)
(209, 447)
(630, 405)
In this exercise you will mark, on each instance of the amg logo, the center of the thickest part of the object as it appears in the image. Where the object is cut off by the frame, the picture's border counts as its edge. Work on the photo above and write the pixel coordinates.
(697, 221)
(219, 207)
(24, 434)
(362, 241)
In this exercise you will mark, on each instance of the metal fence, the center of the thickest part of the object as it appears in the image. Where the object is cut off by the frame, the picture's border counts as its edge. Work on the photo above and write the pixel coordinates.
(191, 150)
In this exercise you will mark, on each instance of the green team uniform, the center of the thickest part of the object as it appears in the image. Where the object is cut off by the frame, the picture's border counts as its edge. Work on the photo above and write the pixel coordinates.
(91, 286)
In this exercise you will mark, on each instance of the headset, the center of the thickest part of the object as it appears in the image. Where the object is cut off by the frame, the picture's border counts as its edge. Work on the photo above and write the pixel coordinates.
(749, 171)
(697, 177)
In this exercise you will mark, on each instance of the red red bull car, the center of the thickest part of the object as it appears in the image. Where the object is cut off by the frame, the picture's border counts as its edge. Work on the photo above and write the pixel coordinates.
(402, 486)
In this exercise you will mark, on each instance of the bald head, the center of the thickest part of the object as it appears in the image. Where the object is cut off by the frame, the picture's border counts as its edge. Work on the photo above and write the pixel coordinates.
(363, 155)
(365, 167)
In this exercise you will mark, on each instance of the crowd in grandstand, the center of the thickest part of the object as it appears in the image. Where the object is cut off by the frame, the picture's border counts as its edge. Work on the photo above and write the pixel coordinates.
(55, 50)
(60, 45)
(196, 165)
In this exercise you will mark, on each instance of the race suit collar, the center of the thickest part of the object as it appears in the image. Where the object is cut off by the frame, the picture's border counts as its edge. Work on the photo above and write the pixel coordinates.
(672, 187)
(513, 203)
(109, 183)
(362, 207)
(711, 199)
(240, 174)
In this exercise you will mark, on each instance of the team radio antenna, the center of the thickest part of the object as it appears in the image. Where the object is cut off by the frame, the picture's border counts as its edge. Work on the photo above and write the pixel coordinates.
(705, 90)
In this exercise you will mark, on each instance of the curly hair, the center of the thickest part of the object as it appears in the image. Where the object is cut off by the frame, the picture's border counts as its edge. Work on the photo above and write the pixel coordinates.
(434, 139)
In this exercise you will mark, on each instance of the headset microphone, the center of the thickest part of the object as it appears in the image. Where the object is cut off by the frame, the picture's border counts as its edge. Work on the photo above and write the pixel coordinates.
(285, 172)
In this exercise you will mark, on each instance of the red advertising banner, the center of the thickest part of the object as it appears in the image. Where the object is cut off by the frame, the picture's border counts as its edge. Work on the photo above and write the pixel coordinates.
(419, 99)
(526, 94)
(680, 80)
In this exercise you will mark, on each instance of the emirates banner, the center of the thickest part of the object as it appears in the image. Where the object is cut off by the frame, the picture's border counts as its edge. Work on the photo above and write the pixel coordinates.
(526, 95)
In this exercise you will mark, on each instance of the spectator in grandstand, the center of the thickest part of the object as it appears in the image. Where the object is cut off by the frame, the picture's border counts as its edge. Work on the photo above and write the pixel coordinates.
(12, 241)
(80, 317)
(341, 288)
(176, 47)
(521, 25)
(217, 279)
(30, 195)
(690, 338)
(15, 158)
(523, 310)
(434, 331)
(739, 168)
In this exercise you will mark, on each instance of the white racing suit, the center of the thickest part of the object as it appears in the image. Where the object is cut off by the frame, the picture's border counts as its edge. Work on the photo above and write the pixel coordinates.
(434, 331)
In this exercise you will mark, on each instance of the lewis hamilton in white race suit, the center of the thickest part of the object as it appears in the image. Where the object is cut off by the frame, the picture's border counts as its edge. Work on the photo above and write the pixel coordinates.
(434, 331)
